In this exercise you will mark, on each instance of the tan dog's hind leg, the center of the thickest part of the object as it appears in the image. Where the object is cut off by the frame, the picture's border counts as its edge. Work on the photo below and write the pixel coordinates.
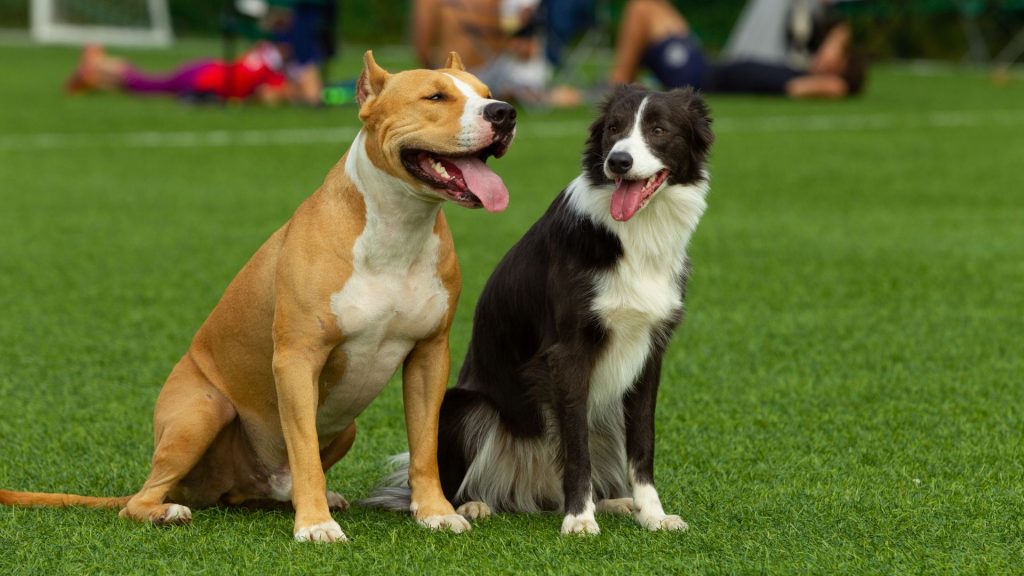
(425, 377)
(337, 449)
(295, 373)
(190, 413)
(474, 510)
(622, 506)
(330, 455)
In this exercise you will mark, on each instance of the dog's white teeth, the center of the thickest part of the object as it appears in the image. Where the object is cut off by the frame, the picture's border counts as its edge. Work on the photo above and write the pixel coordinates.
(439, 168)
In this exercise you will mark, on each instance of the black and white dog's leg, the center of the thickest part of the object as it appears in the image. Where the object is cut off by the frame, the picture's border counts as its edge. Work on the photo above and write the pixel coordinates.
(639, 406)
(572, 385)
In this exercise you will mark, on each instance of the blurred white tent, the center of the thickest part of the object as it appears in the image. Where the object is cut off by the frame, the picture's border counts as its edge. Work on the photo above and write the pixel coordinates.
(761, 32)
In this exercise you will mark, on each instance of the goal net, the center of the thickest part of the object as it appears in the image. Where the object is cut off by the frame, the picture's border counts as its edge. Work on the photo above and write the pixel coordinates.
(120, 22)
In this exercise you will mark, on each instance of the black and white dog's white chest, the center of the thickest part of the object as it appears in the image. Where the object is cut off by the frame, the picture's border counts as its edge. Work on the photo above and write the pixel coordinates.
(635, 304)
(638, 300)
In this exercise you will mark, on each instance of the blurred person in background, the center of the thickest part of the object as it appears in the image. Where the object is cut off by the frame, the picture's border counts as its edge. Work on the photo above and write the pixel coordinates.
(653, 34)
(258, 74)
(304, 32)
(287, 68)
(498, 41)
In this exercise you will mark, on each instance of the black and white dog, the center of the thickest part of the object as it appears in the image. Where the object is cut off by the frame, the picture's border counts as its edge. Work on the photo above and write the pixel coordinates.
(554, 407)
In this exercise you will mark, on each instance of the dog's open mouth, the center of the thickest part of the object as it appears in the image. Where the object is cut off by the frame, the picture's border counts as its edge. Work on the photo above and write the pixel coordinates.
(465, 180)
(631, 195)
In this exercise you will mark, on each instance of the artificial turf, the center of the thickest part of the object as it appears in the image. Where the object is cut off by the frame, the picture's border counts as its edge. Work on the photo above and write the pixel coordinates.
(845, 396)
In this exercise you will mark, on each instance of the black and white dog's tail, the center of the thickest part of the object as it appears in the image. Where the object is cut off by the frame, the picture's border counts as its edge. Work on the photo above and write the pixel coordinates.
(464, 416)
(392, 491)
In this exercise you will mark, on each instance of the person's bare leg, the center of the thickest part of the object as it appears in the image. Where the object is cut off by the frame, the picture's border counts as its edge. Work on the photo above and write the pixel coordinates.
(643, 23)
(633, 36)
(97, 70)
(309, 85)
(110, 71)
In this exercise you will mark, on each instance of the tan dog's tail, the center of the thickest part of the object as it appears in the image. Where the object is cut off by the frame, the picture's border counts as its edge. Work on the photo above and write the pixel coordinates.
(33, 499)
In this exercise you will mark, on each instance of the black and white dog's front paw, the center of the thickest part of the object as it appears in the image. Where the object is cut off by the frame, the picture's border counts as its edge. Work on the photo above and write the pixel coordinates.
(582, 523)
(649, 512)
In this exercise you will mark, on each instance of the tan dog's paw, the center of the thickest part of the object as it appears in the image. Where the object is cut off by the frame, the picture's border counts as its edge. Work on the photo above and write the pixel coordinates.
(448, 522)
(580, 524)
(474, 510)
(159, 515)
(173, 514)
(170, 515)
(623, 506)
(323, 532)
(336, 501)
(656, 523)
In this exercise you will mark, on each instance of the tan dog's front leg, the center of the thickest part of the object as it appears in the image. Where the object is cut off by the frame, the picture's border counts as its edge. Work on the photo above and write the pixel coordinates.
(424, 379)
(295, 374)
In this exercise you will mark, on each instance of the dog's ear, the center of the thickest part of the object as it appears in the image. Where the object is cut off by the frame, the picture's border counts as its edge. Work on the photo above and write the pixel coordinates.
(454, 62)
(372, 79)
(593, 152)
(701, 136)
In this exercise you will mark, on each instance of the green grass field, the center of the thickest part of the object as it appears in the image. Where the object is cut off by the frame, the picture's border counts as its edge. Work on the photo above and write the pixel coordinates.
(846, 395)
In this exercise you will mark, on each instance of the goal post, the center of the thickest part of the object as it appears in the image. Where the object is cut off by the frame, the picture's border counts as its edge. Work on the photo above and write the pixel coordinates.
(144, 23)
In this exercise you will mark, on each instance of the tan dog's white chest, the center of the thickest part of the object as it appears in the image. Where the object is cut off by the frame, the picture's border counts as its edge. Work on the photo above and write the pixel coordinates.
(393, 299)
(382, 314)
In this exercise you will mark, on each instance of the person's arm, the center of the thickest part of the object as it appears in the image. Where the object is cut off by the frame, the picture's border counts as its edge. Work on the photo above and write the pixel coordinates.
(424, 29)
(831, 55)
(825, 86)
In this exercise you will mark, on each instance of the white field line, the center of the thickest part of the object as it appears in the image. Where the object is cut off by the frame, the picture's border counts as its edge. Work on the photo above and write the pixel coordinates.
(538, 128)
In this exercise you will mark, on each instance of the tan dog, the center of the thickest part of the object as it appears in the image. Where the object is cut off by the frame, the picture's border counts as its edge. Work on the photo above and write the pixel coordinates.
(362, 279)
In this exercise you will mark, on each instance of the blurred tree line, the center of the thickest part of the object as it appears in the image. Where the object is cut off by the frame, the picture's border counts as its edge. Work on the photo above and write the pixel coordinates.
(888, 28)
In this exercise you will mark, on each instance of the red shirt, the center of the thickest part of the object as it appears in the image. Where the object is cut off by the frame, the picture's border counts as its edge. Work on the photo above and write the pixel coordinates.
(258, 67)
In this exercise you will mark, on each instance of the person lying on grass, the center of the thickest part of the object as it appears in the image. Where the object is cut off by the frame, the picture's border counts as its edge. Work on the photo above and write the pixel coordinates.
(654, 35)
(256, 75)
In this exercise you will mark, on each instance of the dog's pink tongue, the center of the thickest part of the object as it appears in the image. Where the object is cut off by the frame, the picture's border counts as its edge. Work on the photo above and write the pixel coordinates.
(483, 183)
(626, 199)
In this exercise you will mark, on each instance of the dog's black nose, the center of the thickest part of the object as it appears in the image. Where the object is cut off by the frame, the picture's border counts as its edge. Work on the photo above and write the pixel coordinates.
(501, 115)
(619, 162)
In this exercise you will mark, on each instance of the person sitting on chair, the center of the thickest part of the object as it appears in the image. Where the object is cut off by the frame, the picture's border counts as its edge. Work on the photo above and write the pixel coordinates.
(655, 35)
(498, 43)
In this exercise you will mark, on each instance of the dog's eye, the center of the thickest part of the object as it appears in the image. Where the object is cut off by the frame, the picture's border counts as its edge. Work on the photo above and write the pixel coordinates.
(435, 97)
(613, 128)
(658, 131)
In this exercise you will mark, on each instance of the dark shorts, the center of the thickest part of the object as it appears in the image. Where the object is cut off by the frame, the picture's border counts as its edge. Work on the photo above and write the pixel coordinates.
(307, 36)
(677, 61)
(749, 77)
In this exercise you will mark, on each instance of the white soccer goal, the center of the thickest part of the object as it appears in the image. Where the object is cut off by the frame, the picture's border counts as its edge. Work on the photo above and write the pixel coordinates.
(118, 22)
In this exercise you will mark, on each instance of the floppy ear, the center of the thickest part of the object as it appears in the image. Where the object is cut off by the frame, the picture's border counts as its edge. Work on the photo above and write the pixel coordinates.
(454, 62)
(371, 81)
(701, 136)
